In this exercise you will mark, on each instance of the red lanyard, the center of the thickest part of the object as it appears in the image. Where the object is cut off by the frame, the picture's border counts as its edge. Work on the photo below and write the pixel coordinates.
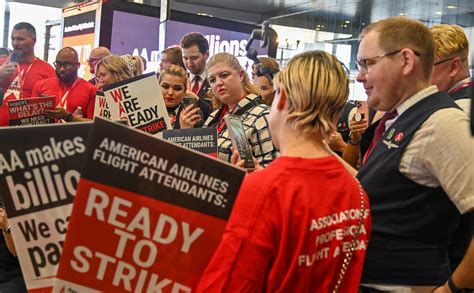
(22, 77)
(221, 126)
(63, 102)
(460, 87)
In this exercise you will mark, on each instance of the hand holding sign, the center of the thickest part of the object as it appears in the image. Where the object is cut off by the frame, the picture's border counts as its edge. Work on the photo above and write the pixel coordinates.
(3, 219)
(134, 100)
(57, 113)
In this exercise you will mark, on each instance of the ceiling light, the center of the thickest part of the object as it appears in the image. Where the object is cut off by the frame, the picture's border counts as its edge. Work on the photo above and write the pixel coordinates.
(204, 14)
(401, 13)
(439, 13)
(347, 21)
(451, 7)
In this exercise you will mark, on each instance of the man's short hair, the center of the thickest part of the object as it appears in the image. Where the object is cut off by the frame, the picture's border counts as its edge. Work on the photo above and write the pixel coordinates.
(269, 62)
(175, 55)
(25, 26)
(402, 32)
(450, 39)
(197, 39)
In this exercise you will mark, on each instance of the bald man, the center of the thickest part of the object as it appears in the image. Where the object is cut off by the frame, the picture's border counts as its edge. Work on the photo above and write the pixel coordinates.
(71, 91)
(96, 55)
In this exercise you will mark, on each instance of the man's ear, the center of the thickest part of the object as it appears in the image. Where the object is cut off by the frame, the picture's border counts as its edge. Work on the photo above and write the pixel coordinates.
(409, 59)
(455, 67)
(206, 55)
(283, 98)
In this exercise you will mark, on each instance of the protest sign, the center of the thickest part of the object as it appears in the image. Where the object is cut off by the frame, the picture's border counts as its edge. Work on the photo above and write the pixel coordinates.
(138, 101)
(30, 111)
(147, 216)
(203, 140)
(39, 173)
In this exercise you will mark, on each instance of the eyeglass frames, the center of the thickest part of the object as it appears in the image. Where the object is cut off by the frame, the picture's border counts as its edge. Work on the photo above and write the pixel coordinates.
(66, 65)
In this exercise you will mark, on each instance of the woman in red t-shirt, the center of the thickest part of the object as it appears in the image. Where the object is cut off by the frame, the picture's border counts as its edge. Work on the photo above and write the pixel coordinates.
(297, 221)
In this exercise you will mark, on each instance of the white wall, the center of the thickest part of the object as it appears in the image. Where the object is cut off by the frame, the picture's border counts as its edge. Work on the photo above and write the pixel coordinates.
(37, 16)
(2, 21)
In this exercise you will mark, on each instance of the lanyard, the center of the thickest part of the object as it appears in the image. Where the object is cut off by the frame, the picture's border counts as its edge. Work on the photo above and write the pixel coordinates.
(63, 102)
(22, 76)
(221, 120)
(460, 87)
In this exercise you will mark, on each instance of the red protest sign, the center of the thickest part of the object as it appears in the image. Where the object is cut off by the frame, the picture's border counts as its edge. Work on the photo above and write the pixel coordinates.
(147, 216)
(140, 244)
(30, 111)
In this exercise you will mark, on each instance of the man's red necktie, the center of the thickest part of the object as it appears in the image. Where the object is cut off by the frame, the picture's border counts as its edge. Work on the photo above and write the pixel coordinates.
(379, 130)
(195, 88)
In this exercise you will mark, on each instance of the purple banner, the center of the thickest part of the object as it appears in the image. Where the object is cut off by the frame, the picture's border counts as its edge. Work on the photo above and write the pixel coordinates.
(138, 35)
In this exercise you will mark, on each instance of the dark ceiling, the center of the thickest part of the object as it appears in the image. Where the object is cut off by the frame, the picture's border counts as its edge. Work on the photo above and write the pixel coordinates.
(340, 16)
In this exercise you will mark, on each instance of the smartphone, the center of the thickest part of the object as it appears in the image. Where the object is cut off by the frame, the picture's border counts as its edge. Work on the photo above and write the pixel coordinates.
(239, 140)
(362, 110)
(14, 57)
(191, 101)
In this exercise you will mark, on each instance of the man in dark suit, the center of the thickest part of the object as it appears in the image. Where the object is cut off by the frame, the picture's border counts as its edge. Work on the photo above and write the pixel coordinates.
(195, 49)
(405, 170)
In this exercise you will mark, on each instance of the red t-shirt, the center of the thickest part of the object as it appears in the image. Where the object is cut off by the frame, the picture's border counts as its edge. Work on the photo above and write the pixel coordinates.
(81, 94)
(287, 229)
(39, 70)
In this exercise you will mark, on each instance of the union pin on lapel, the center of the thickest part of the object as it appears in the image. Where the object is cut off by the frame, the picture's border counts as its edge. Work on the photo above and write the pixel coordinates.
(390, 134)
(399, 136)
(390, 144)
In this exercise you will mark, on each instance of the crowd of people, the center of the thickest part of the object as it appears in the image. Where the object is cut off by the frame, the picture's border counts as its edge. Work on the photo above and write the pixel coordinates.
(395, 187)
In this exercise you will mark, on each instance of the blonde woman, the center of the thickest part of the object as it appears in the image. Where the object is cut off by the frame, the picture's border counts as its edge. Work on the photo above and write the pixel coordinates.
(173, 83)
(294, 223)
(110, 70)
(231, 85)
(135, 64)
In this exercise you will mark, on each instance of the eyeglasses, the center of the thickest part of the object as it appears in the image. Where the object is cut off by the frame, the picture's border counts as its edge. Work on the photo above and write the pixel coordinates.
(445, 60)
(362, 63)
(93, 60)
(66, 65)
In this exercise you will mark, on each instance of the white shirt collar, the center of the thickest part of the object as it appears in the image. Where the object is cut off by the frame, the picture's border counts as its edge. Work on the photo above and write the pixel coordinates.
(202, 77)
(416, 98)
(460, 83)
